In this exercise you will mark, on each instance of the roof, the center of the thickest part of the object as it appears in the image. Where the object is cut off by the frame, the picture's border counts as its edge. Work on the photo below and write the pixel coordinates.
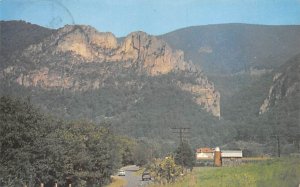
(231, 153)
(205, 150)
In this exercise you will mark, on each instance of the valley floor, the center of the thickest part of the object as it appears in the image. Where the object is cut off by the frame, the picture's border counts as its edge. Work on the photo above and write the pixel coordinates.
(270, 173)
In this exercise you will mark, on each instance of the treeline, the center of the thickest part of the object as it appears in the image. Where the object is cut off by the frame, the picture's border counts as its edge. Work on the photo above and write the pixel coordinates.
(263, 131)
(35, 149)
(148, 113)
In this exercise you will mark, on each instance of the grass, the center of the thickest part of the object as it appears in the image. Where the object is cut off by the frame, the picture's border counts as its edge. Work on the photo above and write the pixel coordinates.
(117, 182)
(270, 173)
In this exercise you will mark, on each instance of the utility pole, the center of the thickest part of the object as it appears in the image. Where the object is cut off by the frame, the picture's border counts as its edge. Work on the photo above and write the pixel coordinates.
(278, 143)
(276, 135)
(181, 131)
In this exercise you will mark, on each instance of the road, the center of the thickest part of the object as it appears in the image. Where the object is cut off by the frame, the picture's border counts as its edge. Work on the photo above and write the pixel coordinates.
(133, 180)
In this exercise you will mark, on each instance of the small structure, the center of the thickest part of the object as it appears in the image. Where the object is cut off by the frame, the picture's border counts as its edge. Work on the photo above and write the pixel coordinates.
(231, 157)
(205, 156)
(214, 156)
(205, 153)
(217, 157)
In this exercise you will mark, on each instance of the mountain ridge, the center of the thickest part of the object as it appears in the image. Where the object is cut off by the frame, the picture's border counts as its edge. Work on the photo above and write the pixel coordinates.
(144, 87)
(231, 48)
(76, 50)
(286, 84)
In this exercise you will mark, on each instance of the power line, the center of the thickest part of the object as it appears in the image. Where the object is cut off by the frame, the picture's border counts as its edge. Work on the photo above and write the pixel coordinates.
(278, 143)
(181, 131)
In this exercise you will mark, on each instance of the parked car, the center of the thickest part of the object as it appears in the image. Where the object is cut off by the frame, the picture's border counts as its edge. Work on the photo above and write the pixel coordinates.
(121, 172)
(146, 175)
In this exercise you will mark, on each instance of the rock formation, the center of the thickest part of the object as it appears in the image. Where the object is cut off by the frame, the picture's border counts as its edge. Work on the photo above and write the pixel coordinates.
(80, 58)
(286, 84)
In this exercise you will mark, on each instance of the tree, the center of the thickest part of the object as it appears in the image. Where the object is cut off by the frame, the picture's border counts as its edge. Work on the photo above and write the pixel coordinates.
(21, 128)
(142, 154)
(37, 149)
(185, 156)
(91, 155)
(127, 147)
(165, 170)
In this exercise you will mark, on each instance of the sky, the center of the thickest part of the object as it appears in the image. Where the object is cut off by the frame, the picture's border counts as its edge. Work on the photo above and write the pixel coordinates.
(152, 16)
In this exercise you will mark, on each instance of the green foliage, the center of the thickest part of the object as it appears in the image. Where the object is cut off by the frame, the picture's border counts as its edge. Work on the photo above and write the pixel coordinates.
(144, 152)
(247, 94)
(141, 156)
(127, 150)
(17, 35)
(231, 63)
(146, 107)
(185, 156)
(22, 130)
(146, 111)
(165, 170)
(232, 48)
(90, 152)
(35, 148)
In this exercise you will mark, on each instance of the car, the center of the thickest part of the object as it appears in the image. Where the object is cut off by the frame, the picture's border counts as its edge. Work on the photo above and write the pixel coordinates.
(146, 175)
(121, 172)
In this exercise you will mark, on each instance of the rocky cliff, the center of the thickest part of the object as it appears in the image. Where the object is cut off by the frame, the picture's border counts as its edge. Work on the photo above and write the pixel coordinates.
(79, 58)
(286, 85)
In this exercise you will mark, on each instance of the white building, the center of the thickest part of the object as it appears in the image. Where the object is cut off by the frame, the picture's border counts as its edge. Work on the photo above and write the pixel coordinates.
(231, 154)
(231, 157)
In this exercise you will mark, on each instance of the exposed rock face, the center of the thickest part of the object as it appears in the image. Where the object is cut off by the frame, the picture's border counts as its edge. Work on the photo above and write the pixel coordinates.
(80, 58)
(286, 84)
(84, 41)
(204, 95)
(157, 57)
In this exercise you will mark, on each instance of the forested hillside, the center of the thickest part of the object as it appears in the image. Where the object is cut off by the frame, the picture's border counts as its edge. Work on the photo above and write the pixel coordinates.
(141, 85)
(16, 37)
(144, 86)
(242, 60)
(233, 48)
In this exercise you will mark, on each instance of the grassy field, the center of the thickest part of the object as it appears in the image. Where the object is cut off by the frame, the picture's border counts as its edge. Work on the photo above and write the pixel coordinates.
(284, 172)
(117, 182)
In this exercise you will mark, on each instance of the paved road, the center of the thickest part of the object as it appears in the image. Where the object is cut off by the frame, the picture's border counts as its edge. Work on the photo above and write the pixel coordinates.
(132, 179)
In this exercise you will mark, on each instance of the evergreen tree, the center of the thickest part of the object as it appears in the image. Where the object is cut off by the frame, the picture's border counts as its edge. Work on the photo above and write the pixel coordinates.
(185, 156)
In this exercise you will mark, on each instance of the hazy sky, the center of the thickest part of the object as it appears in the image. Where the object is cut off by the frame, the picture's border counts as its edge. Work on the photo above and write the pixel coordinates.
(153, 16)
